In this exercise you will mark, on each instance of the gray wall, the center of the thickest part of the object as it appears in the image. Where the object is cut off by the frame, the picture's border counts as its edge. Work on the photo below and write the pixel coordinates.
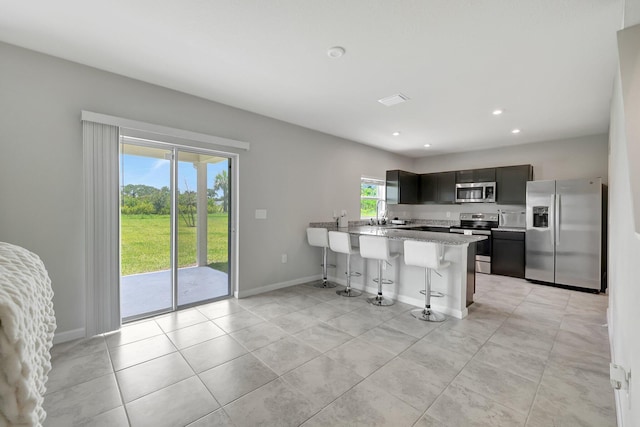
(298, 175)
(582, 157)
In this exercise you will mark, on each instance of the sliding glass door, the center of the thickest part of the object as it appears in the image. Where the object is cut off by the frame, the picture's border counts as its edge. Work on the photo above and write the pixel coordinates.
(203, 227)
(145, 230)
(175, 234)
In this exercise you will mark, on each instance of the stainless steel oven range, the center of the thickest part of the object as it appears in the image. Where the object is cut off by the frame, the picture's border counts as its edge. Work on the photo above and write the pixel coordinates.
(479, 224)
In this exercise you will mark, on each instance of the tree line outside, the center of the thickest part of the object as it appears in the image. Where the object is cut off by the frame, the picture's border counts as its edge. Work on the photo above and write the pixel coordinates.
(140, 199)
(146, 231)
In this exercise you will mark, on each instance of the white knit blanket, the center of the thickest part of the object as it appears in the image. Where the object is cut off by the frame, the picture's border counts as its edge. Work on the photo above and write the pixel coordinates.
(27, 324)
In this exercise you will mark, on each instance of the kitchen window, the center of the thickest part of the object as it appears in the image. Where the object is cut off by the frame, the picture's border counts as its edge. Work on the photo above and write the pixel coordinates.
(371, 190)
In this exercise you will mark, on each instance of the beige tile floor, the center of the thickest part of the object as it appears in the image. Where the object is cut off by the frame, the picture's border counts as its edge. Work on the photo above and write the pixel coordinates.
(527, 355)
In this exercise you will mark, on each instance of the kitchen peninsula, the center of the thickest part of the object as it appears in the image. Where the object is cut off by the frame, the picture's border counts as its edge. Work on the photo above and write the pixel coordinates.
(457, 282)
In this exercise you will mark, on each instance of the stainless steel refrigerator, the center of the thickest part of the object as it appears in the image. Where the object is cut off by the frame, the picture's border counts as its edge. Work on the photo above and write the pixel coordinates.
(565, 240)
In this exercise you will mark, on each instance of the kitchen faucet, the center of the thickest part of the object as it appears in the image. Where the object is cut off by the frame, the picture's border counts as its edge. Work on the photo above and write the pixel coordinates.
(382, 203)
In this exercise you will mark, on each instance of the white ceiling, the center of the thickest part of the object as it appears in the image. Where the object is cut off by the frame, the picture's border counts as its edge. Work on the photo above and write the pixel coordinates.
(549, 64)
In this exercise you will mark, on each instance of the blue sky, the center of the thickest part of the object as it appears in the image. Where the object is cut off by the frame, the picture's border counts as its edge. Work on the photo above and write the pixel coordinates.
(156, 172)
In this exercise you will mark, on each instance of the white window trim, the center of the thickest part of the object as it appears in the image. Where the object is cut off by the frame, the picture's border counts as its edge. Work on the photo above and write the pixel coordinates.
(165, 131)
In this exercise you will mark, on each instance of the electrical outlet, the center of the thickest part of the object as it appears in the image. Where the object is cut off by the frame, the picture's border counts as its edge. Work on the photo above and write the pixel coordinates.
(448, 214)
(284, 258)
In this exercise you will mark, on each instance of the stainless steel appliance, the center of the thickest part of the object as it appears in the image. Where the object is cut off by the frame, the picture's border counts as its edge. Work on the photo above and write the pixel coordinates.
(512, 219)
(480, 192)
(479, 224)
(565, 241)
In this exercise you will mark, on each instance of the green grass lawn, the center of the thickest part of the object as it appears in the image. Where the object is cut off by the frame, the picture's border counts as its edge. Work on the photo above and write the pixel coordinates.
(146, 243)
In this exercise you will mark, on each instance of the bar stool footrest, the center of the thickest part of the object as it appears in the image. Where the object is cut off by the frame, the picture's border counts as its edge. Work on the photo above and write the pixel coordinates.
(434, 294)
(384, 281)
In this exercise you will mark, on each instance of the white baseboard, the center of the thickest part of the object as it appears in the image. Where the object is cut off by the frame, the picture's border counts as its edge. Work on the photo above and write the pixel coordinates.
(275, 286)
(71, 335)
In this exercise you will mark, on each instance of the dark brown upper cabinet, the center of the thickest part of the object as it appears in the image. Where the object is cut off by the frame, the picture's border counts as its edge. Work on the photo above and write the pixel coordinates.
(429, 188)
(446, 187)
(511, 184)
(402, 187)
(476, 175)
(438, 188)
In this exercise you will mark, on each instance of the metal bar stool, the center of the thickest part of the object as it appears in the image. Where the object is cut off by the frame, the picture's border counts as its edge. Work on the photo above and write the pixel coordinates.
(320, 237)
(340, 242)
(427, 255)
(375, 247)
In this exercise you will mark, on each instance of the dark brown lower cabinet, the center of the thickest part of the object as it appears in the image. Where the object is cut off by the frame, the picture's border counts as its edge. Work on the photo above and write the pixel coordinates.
(508, 253)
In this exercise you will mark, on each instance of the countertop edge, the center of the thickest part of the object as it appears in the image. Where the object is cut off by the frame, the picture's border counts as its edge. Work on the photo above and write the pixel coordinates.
(513, 229)
(398, 233)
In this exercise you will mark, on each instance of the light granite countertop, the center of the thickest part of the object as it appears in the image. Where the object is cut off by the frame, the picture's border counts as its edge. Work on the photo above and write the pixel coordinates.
(404, 232)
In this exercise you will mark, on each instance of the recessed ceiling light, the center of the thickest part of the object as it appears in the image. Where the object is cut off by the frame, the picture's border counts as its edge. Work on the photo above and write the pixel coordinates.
(395, 133)
(515, 131)
(497, 112)
(393, 99)
(427, 145)
(335, 52)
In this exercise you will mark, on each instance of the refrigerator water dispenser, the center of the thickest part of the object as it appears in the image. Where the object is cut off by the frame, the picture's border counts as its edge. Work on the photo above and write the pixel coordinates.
(540, 216)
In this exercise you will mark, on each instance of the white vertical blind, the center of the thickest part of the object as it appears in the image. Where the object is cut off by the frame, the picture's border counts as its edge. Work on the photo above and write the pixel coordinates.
(102, 227)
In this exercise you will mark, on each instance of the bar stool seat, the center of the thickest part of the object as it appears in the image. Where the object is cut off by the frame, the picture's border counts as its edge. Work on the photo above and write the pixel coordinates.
(340, 242)
(320, 237)
(427, 255)
(376, 247)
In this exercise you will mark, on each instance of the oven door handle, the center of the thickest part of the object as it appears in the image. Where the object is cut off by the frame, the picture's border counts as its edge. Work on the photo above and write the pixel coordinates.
(476, 232)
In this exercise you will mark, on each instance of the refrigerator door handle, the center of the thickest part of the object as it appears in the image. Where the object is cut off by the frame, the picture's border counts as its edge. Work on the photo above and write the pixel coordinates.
(552, 220)
(557, 217)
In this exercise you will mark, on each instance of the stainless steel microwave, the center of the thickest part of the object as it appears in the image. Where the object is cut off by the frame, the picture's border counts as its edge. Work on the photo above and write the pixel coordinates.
(477, 192)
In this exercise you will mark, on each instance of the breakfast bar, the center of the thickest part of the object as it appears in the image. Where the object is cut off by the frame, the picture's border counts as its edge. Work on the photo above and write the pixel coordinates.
(456, 283)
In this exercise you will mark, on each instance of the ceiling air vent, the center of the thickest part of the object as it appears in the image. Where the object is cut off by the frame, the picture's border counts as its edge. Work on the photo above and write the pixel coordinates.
(393, 99)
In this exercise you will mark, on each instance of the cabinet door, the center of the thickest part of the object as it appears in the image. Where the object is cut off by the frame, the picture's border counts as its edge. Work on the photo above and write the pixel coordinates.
(511, 184)
(484, 175)
(476, 175)
(392, 190)
(428, 188)
(464, 177)
(508, 254)
(402, 187)
(446, 187)
(408, 188)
